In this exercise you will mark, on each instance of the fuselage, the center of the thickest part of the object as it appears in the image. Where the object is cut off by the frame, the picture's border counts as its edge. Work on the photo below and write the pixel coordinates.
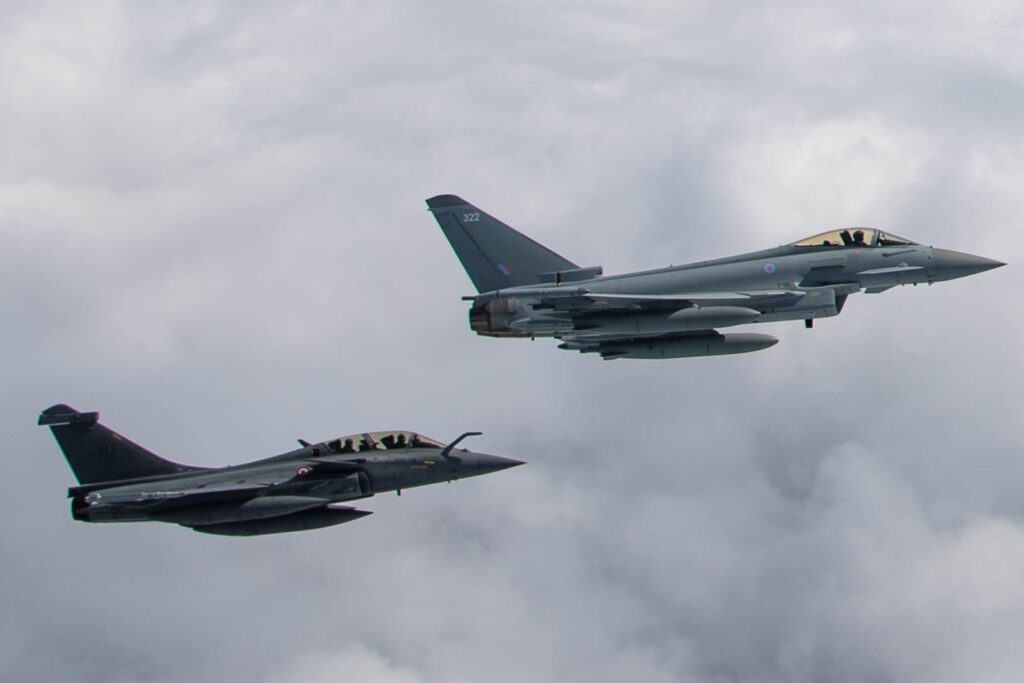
(525, 289)
(823, 274)
(812, 281)
(290, 482)
(306, 488)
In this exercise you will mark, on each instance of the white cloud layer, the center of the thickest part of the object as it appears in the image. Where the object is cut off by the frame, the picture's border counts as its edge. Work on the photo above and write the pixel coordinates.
(352, 663)
(214, 232)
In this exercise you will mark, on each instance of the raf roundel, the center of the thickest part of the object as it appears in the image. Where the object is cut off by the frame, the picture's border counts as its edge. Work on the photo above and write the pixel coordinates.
(769, 268)
(302, 470)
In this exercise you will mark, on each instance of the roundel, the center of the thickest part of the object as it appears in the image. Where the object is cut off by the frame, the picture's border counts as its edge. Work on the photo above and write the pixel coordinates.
(302, 470)
(769, 268)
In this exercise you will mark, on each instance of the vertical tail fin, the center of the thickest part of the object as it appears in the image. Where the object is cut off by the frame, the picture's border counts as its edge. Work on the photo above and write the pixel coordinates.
(96, 453)
(494, 255)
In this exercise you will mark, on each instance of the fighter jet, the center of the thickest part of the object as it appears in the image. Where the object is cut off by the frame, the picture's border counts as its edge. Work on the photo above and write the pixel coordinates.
(306, 488)
(526, 290)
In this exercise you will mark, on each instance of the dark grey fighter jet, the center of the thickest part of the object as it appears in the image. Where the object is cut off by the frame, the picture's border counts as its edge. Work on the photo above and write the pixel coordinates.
(527, 290)
(306, 488)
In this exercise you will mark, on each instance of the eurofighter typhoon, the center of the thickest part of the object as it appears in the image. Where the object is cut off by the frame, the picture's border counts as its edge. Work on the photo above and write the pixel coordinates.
(527, 290)
(307, 488)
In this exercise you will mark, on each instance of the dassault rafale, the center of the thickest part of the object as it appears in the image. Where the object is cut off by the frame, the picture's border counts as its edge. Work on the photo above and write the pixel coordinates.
(306, 488)
(526, 290)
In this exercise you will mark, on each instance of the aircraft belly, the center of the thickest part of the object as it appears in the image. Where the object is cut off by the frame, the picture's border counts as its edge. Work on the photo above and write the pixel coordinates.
(658, 324)
(305, 520)
(255, 508)
(817, 303)
(802, 314)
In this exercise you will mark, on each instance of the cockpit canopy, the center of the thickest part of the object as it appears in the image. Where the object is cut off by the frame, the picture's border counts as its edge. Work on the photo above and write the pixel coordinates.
(380, 441)
(854, 237)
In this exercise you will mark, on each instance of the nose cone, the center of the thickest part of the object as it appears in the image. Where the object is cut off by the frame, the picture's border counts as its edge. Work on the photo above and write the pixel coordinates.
(950, 265)
(474, 464)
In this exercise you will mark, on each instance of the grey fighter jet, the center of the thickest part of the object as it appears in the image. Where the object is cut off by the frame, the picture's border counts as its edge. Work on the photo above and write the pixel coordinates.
(307, 488)
(527, 290)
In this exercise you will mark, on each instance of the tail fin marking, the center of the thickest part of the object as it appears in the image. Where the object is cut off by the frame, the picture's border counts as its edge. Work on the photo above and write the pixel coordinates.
(494, 255)
(97, 453)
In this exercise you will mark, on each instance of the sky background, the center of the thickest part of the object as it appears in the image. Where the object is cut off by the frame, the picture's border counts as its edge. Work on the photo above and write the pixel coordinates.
(213, 232)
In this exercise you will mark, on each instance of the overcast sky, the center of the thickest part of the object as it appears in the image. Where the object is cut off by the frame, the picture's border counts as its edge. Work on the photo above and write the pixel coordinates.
(213, 232)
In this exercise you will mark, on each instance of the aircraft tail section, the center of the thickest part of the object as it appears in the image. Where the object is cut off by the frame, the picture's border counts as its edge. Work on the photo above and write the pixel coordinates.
(494, 255)
(97, 453)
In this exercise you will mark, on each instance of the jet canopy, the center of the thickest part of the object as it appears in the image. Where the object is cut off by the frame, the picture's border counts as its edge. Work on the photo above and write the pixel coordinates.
(853, 237)
(380, 441)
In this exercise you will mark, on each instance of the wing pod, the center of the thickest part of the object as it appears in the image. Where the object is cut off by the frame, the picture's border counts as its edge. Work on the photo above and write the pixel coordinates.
(651, 324)
(263, 507)
(299, 521)
(676, 347)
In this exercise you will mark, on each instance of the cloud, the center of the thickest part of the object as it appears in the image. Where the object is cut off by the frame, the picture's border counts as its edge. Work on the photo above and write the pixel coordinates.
(354, 662)
(979, 568)
(214, 233)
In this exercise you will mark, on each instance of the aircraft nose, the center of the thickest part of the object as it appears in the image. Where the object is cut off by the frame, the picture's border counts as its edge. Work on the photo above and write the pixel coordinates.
(482, 463)
(950, 265)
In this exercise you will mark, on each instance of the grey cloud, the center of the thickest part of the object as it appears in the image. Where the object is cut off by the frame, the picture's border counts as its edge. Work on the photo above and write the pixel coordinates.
(215, 234)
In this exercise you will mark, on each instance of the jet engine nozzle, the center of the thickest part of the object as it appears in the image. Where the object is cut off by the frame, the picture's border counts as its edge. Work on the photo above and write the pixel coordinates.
(78, 509)
(495, 318)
